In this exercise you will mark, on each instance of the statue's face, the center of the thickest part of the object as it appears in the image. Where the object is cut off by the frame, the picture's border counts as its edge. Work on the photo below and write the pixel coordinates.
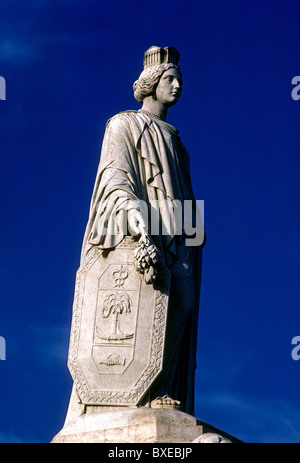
(169, 87)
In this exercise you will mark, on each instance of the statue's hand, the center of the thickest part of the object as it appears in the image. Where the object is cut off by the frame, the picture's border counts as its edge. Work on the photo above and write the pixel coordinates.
(136, 223)
(146, 254)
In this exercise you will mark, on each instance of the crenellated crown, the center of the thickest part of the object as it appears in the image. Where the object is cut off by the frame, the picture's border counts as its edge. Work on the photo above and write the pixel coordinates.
(156, 55)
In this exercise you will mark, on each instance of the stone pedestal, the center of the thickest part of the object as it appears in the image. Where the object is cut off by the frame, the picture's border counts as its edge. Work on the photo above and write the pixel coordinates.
(139, 425)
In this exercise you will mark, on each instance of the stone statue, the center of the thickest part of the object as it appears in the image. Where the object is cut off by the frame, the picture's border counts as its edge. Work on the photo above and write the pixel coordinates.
(134, 328)
(211, 438)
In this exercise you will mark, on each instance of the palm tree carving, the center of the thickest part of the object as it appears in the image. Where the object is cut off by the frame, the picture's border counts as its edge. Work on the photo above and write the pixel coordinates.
(115, 304)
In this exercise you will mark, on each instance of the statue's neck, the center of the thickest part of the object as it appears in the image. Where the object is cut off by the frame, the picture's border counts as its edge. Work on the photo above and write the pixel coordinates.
(154, 107)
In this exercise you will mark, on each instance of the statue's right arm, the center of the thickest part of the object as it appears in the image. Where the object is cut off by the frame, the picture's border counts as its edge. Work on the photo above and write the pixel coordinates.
(117, 188)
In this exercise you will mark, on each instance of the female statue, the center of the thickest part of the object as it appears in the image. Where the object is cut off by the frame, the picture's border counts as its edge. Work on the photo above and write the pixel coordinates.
(143, 162)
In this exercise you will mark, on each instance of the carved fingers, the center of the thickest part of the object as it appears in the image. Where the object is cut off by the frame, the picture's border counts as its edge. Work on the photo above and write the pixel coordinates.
(136, 223)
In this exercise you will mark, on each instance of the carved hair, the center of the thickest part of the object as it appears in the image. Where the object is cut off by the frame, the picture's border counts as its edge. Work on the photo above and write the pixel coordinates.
(148, 80)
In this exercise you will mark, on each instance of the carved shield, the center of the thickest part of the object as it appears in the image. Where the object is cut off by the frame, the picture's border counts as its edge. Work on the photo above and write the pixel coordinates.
(118, 327)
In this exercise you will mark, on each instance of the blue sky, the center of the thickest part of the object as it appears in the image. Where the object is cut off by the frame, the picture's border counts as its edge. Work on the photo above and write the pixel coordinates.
(69, 66)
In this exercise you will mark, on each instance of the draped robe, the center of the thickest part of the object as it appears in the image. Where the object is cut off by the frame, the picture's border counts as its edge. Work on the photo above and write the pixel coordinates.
(143, 158)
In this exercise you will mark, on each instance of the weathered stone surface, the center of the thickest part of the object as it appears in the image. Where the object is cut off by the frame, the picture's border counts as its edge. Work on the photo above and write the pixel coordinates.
(139, 425)
(128, 425)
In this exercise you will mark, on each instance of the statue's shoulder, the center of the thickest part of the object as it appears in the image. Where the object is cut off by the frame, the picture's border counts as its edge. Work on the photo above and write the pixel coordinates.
(127, 121)
(123, 117)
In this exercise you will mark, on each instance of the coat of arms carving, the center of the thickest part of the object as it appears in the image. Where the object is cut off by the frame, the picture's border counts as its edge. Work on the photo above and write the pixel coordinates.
(118, 328)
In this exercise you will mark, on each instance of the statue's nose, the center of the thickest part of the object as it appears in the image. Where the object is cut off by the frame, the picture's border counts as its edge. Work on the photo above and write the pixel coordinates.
(176, 84)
